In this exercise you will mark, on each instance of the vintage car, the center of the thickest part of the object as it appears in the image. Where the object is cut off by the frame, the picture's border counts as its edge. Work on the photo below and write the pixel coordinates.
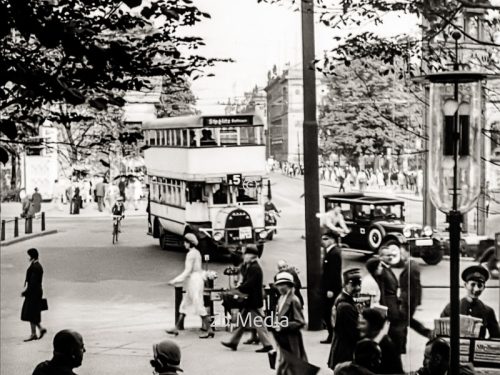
(481, 248)
(379, 221)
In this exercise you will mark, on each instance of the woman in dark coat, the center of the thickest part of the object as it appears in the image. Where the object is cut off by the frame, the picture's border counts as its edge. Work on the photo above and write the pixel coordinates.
(77, 202)
(290, 320)
(33, 293)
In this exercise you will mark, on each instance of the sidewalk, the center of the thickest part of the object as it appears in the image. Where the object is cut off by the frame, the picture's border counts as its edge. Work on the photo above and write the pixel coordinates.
(409, 195)
(9, 210)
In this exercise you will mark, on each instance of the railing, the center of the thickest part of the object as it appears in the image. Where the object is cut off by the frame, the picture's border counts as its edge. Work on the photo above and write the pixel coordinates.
(12, 226)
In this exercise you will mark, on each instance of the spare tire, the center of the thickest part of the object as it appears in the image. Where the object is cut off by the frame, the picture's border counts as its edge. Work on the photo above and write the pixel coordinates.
(375, 237)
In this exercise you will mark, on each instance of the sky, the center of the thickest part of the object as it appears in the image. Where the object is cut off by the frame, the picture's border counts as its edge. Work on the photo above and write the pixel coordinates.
(257, 36)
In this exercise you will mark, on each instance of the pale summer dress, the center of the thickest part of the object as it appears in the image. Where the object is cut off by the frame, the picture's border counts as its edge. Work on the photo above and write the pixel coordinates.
(192, 278)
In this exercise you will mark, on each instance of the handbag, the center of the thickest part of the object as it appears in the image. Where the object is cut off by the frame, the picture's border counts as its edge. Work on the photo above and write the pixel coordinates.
(44, 306)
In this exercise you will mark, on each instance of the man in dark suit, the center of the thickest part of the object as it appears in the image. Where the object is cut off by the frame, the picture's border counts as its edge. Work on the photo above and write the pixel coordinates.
(331, 282)
(475, 278)
(410, 298)
(68, 354)
(389, 294)
(345, 319)
(251, 316)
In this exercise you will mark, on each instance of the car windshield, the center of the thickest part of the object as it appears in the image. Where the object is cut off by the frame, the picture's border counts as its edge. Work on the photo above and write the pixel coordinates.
(388, 211)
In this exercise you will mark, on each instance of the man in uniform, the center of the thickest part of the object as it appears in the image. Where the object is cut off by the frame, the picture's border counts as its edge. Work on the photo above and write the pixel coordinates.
(331, 282)
(475, 278)
(345, 319)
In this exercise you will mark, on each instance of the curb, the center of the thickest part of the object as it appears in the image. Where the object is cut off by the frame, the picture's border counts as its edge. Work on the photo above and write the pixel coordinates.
(28, 237)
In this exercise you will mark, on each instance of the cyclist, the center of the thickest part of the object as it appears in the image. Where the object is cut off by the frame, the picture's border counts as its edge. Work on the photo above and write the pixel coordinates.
(119, 210)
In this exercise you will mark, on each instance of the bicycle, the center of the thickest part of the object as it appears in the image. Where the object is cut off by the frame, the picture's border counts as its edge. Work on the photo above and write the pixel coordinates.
(116, 227)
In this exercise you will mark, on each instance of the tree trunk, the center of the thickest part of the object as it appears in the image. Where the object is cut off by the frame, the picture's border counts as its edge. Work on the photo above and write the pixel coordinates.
(13, 173)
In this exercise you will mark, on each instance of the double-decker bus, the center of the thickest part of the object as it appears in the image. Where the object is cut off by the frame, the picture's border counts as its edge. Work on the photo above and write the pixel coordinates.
(207, 175)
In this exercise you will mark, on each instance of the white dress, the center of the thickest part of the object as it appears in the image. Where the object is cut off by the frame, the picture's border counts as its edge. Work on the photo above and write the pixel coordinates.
(192, 277)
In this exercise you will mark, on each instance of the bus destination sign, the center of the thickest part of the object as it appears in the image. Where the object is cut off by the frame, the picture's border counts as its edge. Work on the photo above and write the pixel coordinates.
(227, 120)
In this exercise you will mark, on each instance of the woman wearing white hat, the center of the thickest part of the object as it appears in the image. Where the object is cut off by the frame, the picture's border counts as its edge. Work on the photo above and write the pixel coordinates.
(194, 284)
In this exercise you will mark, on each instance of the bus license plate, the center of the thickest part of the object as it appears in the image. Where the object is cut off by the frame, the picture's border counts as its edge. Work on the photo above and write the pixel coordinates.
(245, 233)
(426, 242)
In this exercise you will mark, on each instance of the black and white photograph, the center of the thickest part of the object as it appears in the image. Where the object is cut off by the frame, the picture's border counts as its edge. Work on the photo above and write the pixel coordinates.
(289, 187)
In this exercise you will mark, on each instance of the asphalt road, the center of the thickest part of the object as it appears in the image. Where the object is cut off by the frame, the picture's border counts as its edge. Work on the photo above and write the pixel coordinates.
(118, 297)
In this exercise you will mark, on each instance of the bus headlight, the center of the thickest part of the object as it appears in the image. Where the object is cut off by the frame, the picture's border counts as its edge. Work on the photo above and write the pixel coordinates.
(407, 231)
(263, 234)
(427, 231)
(218, 235)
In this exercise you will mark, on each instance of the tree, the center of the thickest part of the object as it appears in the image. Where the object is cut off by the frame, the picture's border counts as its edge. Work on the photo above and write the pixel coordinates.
(362, 116)
(90, 52)
(176, 99)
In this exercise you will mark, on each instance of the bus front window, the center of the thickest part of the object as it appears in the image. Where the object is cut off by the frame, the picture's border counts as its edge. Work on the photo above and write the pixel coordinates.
(247, 195)
(194, 192)
(220, 195)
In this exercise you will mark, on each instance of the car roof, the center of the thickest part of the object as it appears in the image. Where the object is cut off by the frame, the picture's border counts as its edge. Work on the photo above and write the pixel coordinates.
(360, 198)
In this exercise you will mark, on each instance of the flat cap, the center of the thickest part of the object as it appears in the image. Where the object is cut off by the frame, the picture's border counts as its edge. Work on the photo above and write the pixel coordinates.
(252, 249)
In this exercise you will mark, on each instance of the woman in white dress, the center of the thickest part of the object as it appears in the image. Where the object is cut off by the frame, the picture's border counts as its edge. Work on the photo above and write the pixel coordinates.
(193, 280)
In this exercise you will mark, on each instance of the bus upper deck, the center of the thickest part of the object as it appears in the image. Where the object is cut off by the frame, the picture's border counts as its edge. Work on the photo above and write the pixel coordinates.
(204, 131)
(204, 147)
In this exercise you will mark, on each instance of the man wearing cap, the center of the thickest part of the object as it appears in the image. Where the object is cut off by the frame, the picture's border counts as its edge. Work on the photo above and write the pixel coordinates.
(290, 320)
(475, 278)
(167, 358)
(68, 354)
(251, 316)
(331, 281)
(345, 319)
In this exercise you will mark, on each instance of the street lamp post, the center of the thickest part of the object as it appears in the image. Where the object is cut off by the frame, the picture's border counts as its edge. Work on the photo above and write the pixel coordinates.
(455, 123)
(311, 183)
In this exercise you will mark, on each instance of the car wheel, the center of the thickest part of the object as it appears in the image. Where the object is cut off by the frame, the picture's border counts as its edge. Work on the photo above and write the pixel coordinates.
(493, 265)
(396, 246)
(463, 248)
(375, 236)
(434, 255)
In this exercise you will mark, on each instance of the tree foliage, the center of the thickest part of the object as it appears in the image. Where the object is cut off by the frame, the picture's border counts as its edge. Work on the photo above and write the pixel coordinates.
(176, 99)
(89, 52)
(367, 110)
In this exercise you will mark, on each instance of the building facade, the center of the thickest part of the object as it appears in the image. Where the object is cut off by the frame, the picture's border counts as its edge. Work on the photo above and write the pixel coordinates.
(285, 113)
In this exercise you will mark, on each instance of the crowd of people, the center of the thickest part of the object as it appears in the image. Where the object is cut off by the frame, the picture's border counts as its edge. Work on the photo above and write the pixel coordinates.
(349, 177)
(79, 193)
(366, 318)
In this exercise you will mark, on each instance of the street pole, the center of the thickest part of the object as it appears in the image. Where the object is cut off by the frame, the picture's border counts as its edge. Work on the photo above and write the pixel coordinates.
(311, 184)
(455, 219)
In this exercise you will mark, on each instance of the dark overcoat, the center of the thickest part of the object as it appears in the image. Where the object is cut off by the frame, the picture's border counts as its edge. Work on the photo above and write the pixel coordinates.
(252, 285)
(32, 306)
(411, 289)
(289, 337)
(346, 330)
(389, 293)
